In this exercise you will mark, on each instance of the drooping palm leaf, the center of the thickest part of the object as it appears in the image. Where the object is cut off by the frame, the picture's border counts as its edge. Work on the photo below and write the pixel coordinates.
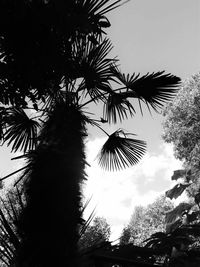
(153, 89)
(119, 151)
(117, 106)
(21, 131)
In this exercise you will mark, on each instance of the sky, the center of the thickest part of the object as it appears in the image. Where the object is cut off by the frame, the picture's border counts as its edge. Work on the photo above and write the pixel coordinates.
(148, 35)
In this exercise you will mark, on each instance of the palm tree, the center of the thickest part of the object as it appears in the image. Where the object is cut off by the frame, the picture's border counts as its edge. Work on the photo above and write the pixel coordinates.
(54, 64)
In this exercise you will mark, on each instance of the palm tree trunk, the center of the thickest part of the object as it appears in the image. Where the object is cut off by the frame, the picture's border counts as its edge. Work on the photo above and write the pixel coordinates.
(53, 213)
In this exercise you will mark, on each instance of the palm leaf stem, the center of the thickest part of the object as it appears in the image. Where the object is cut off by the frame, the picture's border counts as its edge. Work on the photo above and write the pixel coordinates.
(7, 247)
(97, 125)
(3, 260)
(9, 230)
(111, 7)
(9, 175)
(23, 175)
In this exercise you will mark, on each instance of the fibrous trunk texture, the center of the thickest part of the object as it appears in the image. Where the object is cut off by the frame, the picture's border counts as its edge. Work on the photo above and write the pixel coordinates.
(52, 215)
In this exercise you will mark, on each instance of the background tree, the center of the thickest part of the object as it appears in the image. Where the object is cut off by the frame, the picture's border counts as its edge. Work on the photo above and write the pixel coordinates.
(181, 128)
(180, 242)
(54, 62)
(11, 204)
(97, 232)
(145, 221)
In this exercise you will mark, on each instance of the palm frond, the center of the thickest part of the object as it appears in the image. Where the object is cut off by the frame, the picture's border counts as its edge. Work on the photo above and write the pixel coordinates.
(21, 131)
(153, 89)
(100, 7)
(119, 151)
(94, 67)
(92, 14)
(117, 106)
(9, 230)
(55, 96)
(87, 223)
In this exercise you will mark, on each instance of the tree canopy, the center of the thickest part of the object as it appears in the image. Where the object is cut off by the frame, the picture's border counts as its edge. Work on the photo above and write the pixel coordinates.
(181, 121)
(182, 128)
(145, 221)
(98, 231)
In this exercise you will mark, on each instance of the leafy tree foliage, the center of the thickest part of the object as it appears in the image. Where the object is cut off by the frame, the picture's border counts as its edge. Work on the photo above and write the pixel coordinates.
(181, 128)
(181, 125)
(180, 241)
(96, 233)
(146, 221)
(11, 204)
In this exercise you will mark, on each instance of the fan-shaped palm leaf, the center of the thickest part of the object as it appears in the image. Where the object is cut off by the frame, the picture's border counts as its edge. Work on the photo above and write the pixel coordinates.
(119, 151)
(153, 89)
(21, 131)
(94, 67)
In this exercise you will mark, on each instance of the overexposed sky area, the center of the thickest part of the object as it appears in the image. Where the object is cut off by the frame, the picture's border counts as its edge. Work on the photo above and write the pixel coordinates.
(115, 194)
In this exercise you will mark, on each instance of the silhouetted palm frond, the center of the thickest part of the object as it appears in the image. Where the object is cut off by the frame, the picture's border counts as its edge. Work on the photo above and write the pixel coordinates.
(101, 7)
(86, 223)
(94, 11)
(119, 151)
(117, 106)
(9, 239)
(93, 67)
(21, 131)
(153, 89)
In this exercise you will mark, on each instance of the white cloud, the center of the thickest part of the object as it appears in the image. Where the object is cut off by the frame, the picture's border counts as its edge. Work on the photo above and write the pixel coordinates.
(115, 194)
